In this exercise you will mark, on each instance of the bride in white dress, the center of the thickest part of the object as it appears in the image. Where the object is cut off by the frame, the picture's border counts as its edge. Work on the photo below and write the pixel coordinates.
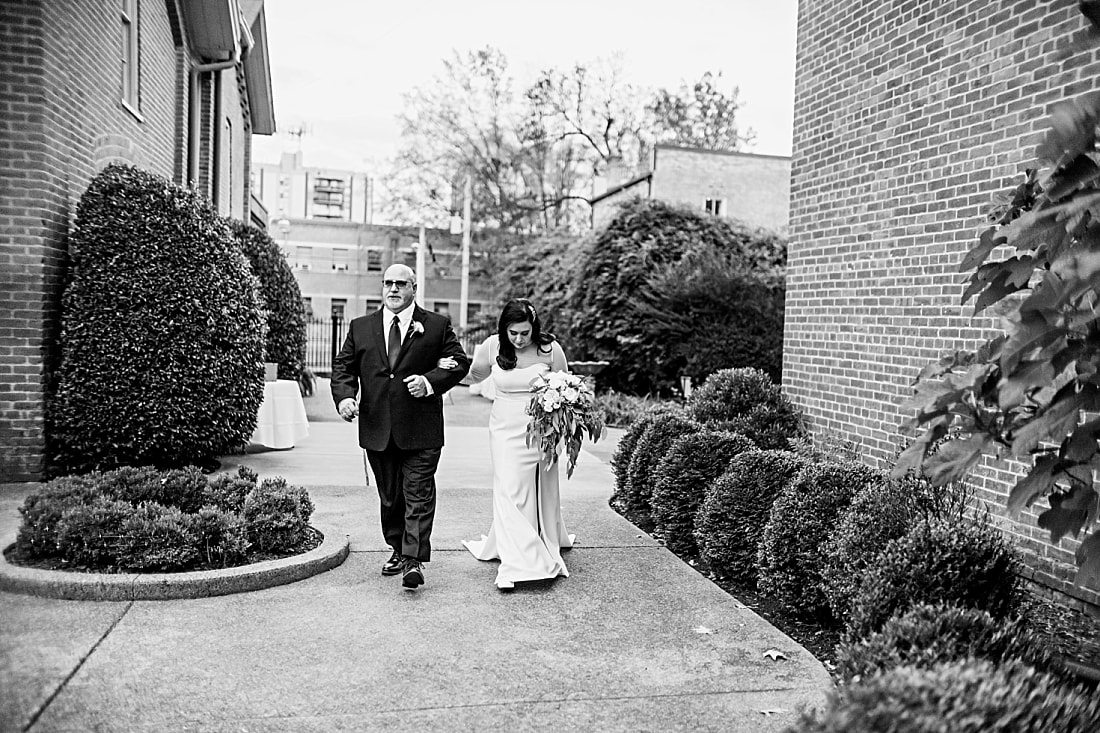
(527, 534)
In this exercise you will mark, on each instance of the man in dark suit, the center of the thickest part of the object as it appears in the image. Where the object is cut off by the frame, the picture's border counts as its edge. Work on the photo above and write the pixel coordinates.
(400, 360)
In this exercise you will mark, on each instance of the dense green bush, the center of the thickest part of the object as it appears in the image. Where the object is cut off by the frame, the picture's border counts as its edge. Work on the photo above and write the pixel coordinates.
(622, 410)
(790, 560)
(927, 634)
(157, 537)
(746, 401)
(624, 451)
(42, 511)
(682, 478)
(281, 298)
(162, 334)
(880, 513)
(961, 561)
(725, 315)
(276, 515)
(736, 507)
(654, 442)
(967, 696)
(615, 306)
(113, 520)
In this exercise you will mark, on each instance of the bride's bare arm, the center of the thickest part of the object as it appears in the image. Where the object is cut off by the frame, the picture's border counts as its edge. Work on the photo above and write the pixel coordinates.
(558, 362)
(482, 365)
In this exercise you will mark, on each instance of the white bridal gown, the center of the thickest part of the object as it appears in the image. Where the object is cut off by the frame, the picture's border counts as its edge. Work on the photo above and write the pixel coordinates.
(528, 532)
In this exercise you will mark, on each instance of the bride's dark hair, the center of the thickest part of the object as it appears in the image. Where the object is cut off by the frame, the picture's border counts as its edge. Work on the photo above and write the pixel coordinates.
(518, 311)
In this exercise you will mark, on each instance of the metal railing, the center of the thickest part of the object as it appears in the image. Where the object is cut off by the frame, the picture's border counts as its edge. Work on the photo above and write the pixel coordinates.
(325, 336)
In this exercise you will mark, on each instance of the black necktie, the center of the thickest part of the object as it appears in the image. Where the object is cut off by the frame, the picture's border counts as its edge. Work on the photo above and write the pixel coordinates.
(394, 345)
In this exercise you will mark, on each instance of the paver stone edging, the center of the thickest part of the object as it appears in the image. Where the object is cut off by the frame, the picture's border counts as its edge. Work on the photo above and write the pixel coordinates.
(66, 585)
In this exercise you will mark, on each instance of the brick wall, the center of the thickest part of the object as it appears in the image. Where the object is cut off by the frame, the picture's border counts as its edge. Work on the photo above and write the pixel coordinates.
(753, 188)
(60, 121)
(910, 115)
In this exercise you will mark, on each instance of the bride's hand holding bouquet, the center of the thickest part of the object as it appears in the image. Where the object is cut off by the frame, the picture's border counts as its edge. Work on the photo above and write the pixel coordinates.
(563, 408)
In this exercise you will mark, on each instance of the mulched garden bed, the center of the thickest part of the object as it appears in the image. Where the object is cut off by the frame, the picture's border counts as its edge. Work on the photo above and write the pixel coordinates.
(1073, 633)
(312, 541)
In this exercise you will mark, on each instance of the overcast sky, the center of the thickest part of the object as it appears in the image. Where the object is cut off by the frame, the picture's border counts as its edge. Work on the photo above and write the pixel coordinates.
(339, 67)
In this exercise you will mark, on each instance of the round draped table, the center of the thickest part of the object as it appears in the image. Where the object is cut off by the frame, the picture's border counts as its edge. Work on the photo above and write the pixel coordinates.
(281, 420)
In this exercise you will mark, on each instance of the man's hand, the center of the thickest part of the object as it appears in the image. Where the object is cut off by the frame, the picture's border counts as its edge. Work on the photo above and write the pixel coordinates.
(348, 409)
(447, 362)
(415, 383)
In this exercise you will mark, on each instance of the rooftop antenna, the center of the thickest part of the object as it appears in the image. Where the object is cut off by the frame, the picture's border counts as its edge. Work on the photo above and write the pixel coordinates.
(297, 131)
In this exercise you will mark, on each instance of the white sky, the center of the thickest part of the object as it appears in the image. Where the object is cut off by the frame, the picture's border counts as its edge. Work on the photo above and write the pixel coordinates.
(339, 67)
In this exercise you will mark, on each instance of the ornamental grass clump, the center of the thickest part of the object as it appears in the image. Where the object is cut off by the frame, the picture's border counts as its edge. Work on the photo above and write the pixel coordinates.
(682, 479)
(790, 561)
(966, 696)
(651, 447)
(735, 509)
(746, 401)
(928, 634)
(966, 562)
(162, 333)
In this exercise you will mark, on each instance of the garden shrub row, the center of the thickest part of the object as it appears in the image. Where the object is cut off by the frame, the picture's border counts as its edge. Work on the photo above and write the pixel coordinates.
(145, 519)
(925, 589)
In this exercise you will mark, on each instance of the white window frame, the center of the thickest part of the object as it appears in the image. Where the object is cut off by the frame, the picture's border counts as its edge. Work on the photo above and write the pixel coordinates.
(130, 58)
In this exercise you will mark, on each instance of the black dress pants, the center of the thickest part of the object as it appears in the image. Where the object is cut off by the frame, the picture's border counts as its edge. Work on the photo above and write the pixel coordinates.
(406, 493)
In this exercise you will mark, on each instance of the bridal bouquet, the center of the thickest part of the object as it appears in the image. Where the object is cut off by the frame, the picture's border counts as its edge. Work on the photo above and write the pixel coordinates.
(563, 408)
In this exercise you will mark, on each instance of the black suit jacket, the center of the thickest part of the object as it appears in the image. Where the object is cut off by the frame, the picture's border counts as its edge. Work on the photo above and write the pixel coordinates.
(386, 408)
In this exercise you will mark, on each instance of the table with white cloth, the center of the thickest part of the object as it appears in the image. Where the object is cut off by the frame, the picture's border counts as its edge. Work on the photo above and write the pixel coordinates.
(281, 420)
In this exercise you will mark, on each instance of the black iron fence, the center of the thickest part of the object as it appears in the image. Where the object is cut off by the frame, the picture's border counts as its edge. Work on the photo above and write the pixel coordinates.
(325, 336)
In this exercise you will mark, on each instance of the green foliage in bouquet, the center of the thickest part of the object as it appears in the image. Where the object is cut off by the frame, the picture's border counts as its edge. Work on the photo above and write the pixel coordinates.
(966, 696)
(735, 510)
(563, 409)
(282, 299)
(928, 634)
(162, 334)
(1023, 394)
(790, 558)
(682, 479)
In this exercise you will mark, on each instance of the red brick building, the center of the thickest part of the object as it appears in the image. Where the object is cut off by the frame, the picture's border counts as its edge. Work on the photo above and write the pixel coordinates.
(754, 189)
(910, 117)
(172, 86)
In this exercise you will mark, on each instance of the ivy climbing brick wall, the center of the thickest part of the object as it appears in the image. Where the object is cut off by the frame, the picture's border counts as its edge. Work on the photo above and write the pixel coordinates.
(911, 117)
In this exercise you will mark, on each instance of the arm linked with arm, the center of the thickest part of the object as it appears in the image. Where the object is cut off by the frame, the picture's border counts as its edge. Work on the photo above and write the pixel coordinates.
(482, 365)
(442, 380)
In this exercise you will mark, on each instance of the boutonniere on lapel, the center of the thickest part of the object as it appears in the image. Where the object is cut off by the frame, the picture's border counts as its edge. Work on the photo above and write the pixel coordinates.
(415, 328)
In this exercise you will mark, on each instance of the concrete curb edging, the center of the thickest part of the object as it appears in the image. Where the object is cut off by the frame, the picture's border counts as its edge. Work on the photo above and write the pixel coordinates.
(66, 585)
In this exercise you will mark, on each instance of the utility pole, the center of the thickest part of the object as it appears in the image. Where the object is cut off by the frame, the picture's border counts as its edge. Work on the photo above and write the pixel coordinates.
(464, 298)
(421, 265)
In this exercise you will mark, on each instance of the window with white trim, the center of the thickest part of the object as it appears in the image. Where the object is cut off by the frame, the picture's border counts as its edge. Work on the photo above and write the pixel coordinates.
(339, 259)
(129, 25)
(714, 206)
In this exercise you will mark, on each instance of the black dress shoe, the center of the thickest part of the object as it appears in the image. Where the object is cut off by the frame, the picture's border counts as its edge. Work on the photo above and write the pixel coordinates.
(394, 565)
(413, 575)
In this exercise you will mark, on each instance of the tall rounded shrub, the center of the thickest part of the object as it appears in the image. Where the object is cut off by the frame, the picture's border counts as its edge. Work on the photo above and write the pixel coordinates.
(162, 334)
(624, 451)
(652, 446)
(790, 560)
(735, 509)
(965, 562)
(281, 298)
(747, 401)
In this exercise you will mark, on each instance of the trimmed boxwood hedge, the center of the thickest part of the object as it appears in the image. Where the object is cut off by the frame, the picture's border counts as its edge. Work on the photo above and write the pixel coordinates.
(790, 559)
(967, 696)
(682, 478)
(652, 445)
(962, 561)
(735, 509)
(624, 451)
(281, 297)
(928, 634)
(746, 401)
(162, 334)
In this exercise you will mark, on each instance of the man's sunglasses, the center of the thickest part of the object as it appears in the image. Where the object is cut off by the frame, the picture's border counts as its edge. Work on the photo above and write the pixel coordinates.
(400, 284)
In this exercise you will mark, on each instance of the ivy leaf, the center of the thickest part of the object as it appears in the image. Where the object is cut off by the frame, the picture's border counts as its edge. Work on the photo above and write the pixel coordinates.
(1088, 562)
(1069, 511)
(999, 288)
(988, 242)
(1081, 446)
(1029, 377)
(1079, 173)
(1038, 482)
(1055, 422)
(955, 458)
(1072, 128)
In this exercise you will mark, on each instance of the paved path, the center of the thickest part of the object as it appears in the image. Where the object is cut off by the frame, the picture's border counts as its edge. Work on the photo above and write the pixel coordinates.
(633, 640)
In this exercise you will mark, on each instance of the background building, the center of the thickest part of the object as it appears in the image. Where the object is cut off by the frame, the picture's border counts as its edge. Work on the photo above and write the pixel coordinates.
(176, 88)
(754, 189)
(910, 118)
(289, 190)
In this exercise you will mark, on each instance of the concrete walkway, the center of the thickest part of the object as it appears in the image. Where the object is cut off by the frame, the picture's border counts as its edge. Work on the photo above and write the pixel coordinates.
(633, 640)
